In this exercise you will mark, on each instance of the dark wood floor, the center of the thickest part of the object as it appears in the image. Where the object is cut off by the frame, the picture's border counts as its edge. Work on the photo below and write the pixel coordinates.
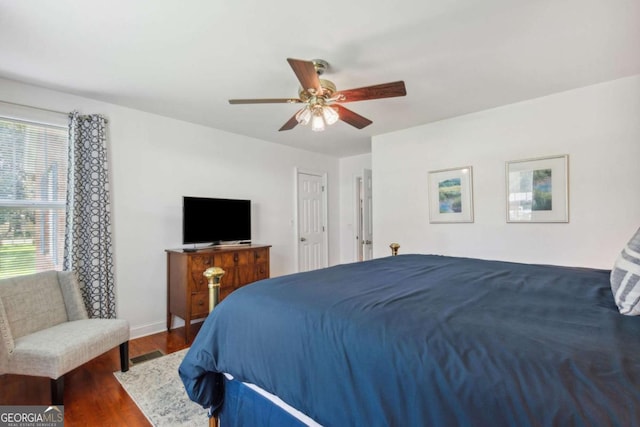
(92, 395)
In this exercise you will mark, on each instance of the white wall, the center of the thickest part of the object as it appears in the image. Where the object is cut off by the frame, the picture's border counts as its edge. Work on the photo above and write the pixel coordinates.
(350, 168)
(155, 161)
(597, 126)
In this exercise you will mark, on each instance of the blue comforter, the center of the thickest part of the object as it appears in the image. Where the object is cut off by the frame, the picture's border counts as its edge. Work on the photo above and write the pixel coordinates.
(420, 340)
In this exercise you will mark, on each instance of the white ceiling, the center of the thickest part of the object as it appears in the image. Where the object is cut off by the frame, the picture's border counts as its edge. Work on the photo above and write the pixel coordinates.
(184, 59)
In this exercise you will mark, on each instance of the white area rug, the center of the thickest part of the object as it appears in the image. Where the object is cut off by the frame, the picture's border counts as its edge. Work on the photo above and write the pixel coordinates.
(157, 389)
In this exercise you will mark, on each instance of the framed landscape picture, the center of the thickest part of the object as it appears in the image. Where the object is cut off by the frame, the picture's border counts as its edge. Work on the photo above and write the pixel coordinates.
(451, 195)
(538, 190)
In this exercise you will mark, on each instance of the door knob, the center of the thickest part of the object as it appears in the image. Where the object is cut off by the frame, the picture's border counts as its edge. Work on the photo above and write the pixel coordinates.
(303, 239)
(368, 242)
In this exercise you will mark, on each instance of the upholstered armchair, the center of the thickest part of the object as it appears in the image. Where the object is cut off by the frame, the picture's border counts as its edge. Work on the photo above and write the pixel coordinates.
(45, 330)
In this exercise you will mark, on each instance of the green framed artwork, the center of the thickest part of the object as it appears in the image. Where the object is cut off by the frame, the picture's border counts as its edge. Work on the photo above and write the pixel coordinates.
(451, 195)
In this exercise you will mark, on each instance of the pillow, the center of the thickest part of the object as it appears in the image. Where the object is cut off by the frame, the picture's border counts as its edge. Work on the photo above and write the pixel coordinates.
(625, 278)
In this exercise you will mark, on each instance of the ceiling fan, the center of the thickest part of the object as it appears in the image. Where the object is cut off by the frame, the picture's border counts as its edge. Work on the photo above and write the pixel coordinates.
(323, 102)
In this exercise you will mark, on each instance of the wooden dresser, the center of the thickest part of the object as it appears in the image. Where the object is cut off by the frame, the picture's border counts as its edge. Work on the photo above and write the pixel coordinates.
(187, 288)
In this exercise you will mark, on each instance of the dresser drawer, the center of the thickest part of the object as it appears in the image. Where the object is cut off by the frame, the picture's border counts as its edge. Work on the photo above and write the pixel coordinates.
(260, 255)
(199, 263)
(203, 261)
(261, 271)
(199, 304)
(232, 259)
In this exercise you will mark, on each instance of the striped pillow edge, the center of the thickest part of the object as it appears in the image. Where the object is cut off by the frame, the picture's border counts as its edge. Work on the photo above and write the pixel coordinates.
(625, 278)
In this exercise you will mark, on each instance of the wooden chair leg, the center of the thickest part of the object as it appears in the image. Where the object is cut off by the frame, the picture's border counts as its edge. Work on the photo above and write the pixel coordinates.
(124, 356)
(57, 391)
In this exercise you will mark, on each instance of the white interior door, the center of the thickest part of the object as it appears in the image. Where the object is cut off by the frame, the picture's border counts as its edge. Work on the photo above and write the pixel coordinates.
(367, 209)
(312, 230)
(359, 232)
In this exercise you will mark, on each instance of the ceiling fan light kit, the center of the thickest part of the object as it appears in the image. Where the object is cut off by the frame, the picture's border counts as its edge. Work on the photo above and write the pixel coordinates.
(323, 102)
(319, 113)
(330, 115)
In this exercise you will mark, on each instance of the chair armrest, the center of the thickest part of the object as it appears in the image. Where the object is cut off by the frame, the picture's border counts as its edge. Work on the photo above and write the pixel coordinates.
(6, 339)
(74, 304)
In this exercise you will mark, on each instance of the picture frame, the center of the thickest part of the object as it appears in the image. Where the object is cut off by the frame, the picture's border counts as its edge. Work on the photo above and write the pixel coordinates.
(451, 195)
(538, 190)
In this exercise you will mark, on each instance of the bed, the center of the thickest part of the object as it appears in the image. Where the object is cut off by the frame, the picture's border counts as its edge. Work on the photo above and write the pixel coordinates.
(422, 340)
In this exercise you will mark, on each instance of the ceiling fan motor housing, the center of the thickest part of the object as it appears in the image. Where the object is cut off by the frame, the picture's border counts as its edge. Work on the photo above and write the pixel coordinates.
(328, 89)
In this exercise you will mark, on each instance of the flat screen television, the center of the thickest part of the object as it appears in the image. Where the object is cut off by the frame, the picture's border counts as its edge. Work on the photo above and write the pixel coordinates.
(209, 220)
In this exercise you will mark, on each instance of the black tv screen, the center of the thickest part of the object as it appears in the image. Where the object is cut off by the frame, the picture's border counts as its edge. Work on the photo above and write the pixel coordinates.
(208, 220)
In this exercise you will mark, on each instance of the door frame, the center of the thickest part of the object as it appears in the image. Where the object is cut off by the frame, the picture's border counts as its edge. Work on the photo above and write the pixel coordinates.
(325, 214)
(359, 231)
(367, 213)
(359, 250)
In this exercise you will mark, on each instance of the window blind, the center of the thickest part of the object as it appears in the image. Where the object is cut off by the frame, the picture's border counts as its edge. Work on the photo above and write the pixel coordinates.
(33, 173)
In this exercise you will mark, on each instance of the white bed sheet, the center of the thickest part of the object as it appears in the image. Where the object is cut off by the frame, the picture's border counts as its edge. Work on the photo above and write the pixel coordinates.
(280, 403)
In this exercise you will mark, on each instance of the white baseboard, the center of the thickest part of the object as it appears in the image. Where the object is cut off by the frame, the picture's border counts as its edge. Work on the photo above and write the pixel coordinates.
(154, 328)
(148, 329)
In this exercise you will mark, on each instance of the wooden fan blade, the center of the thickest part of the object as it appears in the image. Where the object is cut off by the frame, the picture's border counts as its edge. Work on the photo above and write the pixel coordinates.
(306, 74)
(266, 101)
(290, 124)
(385, 90)
(348, 116)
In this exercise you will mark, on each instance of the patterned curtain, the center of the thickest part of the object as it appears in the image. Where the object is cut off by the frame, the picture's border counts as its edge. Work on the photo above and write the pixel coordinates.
(88, 245)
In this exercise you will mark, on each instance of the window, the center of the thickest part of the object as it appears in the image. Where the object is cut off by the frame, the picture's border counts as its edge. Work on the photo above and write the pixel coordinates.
(33, 173)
